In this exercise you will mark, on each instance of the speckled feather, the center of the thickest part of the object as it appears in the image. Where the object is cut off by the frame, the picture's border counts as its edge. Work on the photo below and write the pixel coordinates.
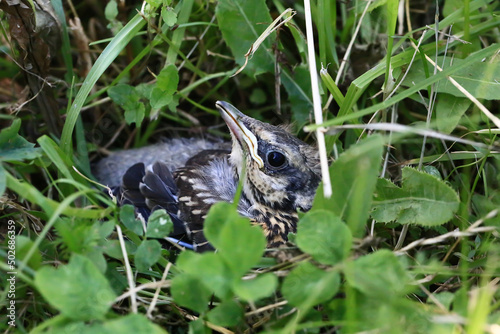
(173, 152)
(186, 187)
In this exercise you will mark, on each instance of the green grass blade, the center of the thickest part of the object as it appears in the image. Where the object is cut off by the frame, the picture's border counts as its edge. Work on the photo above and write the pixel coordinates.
(66, 46)
(178, 35)
(478, 56)
(332, 87)
(392, 15)
(30, 193)
(105, 59)
(56, 155)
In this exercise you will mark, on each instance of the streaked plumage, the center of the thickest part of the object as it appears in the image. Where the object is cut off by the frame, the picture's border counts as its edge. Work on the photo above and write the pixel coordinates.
(280, 176)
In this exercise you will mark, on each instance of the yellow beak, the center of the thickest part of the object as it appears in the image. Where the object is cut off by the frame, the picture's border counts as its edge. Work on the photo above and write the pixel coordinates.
(234, 120)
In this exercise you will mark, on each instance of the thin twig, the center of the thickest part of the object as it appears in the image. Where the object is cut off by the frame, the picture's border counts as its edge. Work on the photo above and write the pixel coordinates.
(270, 29)
(128, 269)
(409, 66)
(480, 106)
(267, 307)
(351, 44)
(386, 160)
(394, 127)
(348, 52)
(443, 237)
(471, 230)
(145, 286)
(318, 112)
(209, 324)
(196, 44)
(157, 292)
(402, 237)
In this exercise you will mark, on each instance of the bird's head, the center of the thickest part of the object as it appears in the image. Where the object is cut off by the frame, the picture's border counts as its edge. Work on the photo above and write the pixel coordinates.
(282, 172)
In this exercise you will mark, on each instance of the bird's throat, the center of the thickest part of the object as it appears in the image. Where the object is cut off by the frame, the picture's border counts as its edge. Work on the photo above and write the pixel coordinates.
(276, 224)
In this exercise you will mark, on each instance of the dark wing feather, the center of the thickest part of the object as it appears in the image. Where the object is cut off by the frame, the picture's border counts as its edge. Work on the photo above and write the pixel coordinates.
(160, 192)
(130, 193)
(158, 187)
(151, 189)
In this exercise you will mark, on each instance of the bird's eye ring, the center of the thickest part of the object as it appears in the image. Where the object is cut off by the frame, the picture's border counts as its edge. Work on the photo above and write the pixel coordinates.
(276, 159)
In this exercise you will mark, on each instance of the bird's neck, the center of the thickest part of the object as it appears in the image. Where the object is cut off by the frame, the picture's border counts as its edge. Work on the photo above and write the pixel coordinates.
(276, 223)
(276, 217)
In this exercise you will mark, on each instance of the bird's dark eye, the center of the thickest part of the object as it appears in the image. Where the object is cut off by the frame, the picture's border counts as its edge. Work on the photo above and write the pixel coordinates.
(276, 159)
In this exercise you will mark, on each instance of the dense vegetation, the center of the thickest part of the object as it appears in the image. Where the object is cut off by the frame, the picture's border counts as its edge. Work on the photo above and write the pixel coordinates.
(407, 242)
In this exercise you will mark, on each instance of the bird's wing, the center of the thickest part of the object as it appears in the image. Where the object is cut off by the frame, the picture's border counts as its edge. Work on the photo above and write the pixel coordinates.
(152, 188)
(173, 152)
(206, 179)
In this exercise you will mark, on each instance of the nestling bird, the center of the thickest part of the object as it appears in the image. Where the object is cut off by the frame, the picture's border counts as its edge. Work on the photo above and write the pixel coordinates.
(279, 174)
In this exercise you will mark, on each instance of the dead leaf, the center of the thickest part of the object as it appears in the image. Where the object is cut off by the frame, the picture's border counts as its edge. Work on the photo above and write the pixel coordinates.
(37, 34)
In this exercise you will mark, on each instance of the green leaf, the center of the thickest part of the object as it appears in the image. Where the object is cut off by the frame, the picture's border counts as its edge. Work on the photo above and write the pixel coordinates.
(159, 99)
(325, 236)
(129, 99)
(122, 94)
(422, 199)
(157, 3)
(485, 204)
(307, 286)
(445, 298)
(144, 90)
(228, 231)
(116, 277)
(166, 85)
(168, 79)
(7, 134)
(198, 327)
(82, 237)
(228, 313)
(240, 24)
(190, 292)
(134, 113)
(113, 248)
(169, 16)
(431, 170)
(260, 287)
(354, 175)
(208, 268)
(258, 96)
(97, 257)
(131, 323)
(241, 259)
(159, 224)
(78, 290)
(111, 10)
(127, 217)
(3, 179)
(147, 254)
(449, 111)
(298, 87)
(218, 216)
(13, 147)
(478, 77)
(375, 4)
(23, 245)
(378, 274)
(20, 154)
(104, 229)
